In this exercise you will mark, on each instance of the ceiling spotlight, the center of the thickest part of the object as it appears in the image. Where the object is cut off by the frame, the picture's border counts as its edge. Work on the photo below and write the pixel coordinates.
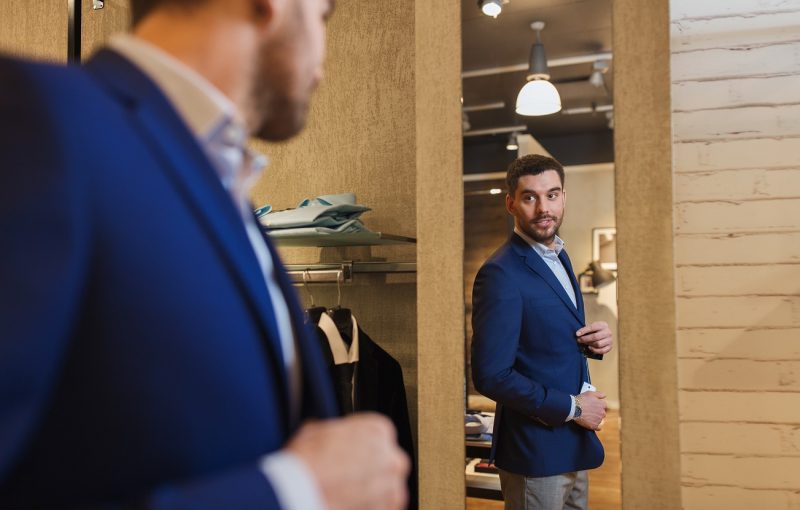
(538, 96)
(512, 144)
(491, 8)
(495, 191)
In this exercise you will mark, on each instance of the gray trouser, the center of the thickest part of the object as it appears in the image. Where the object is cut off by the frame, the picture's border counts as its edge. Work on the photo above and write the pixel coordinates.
(569, 490)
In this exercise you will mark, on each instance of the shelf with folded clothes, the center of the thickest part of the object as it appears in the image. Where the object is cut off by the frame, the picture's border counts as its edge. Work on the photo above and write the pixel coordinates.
(324, 221)
(336, 239)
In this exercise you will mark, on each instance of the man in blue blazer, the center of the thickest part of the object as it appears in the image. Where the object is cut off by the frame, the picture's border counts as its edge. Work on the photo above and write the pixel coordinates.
(152, 350)
(527, 350)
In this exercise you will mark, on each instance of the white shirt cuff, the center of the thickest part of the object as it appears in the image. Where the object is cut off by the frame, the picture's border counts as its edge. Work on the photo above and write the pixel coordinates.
(294, 485)
(571, 409)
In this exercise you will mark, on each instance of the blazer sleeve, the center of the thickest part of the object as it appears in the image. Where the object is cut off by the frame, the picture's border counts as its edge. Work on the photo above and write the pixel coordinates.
(497, 309)
(45, 239)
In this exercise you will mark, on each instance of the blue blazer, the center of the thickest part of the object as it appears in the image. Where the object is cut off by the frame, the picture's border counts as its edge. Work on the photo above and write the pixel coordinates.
(139, 363)
(526, 358)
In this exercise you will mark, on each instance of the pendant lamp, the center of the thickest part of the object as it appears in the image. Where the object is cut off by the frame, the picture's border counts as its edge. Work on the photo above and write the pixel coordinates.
(538, 96)
(491, 8)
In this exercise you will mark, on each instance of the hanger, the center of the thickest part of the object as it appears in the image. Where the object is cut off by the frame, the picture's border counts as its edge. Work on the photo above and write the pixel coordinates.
(342, 317)
(314, 312)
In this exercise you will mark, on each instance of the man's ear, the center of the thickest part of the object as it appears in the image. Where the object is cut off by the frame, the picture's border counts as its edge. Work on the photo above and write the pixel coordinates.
(510, 204)
(265, 12)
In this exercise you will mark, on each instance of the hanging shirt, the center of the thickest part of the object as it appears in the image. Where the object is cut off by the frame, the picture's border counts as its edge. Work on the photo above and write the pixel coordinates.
(345, 362)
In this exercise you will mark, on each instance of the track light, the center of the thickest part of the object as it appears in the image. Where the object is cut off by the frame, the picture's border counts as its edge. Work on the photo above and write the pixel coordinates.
(512, 144)
(491, 8)
(538, 96)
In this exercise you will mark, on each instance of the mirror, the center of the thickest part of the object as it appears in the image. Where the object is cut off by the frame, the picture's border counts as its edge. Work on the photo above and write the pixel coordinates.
(496, 51)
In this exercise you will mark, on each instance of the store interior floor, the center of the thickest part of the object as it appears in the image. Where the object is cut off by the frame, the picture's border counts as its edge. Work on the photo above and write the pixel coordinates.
(604, 482)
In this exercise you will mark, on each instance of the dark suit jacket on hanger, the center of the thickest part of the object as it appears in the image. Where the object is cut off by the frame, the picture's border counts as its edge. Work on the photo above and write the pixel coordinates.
(526, 358)
(378, 387)
(138, 357)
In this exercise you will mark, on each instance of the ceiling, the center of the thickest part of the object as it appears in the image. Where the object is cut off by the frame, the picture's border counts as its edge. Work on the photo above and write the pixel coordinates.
(573, 28)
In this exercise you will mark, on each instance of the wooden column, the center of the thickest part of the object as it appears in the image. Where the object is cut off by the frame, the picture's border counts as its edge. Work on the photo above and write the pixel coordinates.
(647, 351)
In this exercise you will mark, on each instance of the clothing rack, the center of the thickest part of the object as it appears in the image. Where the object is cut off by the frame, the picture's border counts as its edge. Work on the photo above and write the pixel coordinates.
(342, 272)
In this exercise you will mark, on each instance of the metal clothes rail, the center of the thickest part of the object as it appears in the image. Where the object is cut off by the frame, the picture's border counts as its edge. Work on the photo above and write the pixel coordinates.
(342, 272)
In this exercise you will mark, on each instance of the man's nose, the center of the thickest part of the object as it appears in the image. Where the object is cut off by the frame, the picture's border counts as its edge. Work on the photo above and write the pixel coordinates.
(541, 207)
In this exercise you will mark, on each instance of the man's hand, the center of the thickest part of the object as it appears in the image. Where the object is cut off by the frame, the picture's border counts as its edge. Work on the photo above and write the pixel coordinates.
(597, 336)
(593, 410)
(355, 460)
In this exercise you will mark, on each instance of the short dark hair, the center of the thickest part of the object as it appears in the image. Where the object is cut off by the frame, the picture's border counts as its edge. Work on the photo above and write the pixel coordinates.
(532, 164)
(141, 8)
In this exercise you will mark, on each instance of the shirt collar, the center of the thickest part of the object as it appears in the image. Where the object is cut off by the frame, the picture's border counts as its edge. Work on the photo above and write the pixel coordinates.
(539, 248)
(203, 107)
(208, 113)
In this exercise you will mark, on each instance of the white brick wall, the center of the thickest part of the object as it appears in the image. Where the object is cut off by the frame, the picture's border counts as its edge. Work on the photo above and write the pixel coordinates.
(736, 155)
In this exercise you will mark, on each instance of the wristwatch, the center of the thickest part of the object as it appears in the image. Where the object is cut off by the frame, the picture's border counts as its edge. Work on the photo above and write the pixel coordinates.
(578, 410)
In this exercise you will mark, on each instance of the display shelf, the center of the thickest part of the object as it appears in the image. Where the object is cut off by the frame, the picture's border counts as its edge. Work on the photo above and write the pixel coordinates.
(481, 485)
(350, 239)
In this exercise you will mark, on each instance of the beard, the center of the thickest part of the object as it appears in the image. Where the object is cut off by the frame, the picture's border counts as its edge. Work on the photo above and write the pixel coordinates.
(279, 118)
(546, 235)
(276, 113)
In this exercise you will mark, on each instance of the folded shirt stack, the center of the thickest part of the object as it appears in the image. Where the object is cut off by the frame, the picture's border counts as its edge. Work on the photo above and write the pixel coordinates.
(478, 427)
(323, 215)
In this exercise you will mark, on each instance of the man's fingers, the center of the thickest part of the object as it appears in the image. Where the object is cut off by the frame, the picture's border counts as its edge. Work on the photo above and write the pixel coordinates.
(591, 328)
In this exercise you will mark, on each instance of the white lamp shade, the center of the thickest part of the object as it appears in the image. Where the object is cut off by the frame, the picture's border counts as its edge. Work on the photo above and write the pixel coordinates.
(492, 8)
(538, 97)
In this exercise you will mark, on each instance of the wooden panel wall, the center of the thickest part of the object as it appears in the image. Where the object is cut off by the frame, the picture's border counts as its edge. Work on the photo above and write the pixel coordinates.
(440, 214)
(487, 226)
(34, 29)
(646, 295)
(98, 25)
(736, 134)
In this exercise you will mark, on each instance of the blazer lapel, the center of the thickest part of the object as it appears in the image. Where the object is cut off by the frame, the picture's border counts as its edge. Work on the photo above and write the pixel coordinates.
(575, 286)
(196, 180)
(318, 398)
(537, 265)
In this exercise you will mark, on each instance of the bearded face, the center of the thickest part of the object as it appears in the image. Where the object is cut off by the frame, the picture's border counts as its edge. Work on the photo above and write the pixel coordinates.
(538, 206)
(288, 70)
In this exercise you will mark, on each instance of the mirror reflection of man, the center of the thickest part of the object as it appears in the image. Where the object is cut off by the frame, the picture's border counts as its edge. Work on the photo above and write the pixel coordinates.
(529, 329)
(152, 351)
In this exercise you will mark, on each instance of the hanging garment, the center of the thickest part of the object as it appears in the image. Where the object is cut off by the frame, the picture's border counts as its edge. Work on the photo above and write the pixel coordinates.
(376, 381)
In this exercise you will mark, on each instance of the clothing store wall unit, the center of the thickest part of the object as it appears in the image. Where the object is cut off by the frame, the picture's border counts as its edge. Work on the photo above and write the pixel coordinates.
(41, 29)
(34, 29)
(385, 124)
(97, 25)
